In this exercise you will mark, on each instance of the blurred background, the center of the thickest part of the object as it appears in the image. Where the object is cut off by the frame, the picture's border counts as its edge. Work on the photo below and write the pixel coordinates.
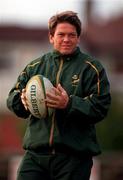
(23, 37)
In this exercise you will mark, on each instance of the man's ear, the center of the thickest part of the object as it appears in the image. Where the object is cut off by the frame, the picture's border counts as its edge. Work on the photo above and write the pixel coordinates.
(78, 39)
(50, 38)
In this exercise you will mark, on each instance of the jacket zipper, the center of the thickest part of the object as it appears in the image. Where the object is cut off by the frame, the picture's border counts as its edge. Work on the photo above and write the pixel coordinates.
(53, 117)
(59, 71)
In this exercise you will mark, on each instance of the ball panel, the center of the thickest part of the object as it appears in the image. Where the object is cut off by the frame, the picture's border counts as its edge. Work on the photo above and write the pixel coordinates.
(31, 95)
(41, 95)
(36, 89)
(48, 86)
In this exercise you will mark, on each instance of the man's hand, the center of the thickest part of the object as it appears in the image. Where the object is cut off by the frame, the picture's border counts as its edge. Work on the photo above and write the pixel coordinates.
(23, 99)
(57, 98)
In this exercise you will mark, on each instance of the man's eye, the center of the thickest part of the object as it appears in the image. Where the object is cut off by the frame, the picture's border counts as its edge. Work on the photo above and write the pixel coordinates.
(73, 35)
(60, 34)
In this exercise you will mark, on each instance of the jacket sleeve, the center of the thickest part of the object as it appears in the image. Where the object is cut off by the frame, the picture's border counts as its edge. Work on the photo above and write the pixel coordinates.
(14, 101)
(93, 107)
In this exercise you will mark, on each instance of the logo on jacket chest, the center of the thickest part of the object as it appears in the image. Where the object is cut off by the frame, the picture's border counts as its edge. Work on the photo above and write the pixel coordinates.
(75, 79)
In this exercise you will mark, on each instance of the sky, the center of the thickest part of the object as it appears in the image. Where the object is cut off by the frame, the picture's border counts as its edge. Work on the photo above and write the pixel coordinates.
(37, 12)
(33, 11)
(108, 8)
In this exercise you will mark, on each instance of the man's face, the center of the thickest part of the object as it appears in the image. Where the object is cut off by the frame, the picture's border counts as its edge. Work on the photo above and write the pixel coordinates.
(65, 38)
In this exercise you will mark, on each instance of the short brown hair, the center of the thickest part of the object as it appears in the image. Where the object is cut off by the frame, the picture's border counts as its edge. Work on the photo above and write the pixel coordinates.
(66, 16)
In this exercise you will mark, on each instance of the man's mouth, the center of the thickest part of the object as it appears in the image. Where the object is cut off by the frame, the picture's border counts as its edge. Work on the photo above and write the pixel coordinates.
(66, 46)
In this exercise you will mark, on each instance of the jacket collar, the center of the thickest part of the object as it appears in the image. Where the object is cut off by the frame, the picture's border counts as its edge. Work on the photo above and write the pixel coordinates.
(58, 55)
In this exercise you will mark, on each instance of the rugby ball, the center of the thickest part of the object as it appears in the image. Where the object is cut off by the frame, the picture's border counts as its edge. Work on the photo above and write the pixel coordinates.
(36, 89)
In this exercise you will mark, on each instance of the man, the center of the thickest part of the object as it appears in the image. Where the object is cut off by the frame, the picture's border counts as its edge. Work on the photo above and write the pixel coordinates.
(61, 147)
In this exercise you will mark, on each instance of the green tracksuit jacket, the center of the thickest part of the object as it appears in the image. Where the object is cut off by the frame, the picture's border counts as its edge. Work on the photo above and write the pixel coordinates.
(86, 83)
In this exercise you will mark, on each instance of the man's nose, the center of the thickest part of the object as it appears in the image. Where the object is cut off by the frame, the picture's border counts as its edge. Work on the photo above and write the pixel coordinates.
(66, 38)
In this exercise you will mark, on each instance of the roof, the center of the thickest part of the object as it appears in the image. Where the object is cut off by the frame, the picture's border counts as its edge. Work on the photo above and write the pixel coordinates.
(105, 36)
(18, 33)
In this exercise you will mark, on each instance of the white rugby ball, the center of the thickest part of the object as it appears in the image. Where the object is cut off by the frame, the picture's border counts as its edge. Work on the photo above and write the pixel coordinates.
(36, 89)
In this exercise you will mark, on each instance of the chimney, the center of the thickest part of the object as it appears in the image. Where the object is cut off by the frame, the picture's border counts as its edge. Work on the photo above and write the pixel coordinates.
(89, 11)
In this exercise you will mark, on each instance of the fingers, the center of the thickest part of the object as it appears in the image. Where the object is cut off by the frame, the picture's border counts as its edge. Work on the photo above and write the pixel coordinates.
(52, 97)
(57, 97)
(52, 104)
(61, 89)
(24, 99)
